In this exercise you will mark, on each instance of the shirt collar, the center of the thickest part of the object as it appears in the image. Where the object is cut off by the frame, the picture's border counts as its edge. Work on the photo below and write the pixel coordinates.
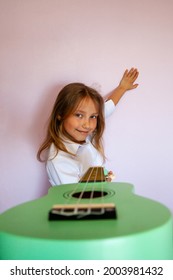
(73, 147)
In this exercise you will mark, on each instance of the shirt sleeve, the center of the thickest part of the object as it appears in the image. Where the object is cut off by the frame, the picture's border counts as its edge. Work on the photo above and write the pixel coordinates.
(109, 108)
(62, 170)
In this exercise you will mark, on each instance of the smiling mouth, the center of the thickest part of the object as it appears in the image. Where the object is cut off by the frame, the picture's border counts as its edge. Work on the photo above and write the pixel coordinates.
(83, 132)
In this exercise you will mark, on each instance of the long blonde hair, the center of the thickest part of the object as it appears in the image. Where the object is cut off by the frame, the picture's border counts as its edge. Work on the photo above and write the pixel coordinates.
(66, 103)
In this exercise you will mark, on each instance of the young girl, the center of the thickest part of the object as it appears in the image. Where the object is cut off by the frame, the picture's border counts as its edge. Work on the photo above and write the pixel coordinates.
(76, 126)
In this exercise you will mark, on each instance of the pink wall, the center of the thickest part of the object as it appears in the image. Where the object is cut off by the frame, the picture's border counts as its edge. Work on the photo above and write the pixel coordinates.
(45, 44)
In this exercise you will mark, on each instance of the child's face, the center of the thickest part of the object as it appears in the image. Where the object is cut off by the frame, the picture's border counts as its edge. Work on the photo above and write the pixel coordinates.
(83, 121)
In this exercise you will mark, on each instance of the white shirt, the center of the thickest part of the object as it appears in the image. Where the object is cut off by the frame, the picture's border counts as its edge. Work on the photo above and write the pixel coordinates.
(65, 168)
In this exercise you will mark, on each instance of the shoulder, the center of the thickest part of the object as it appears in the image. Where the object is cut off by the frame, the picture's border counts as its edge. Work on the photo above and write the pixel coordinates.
(62, 169)
(52, 153)
(60, 159)
(109, 108)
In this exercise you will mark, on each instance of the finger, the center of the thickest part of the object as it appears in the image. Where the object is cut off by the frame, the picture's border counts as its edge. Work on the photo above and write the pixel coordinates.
(130, 72)
(108, 179)
(125, 73)
(135, 86)
(134, 75)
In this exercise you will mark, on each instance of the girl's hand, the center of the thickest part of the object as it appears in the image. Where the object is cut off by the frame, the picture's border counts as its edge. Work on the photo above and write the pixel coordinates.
(110, 176)
(126, 83)
(128, 79)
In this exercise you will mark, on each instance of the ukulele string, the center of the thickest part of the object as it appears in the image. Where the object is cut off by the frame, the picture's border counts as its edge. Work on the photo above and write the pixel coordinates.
(93, 172)
(70, 198)
(76, 189)
(88, 211)
(86, 184)
(99, 173)
(102, 179)
(95, 180)
(93, 176)
(102, 185)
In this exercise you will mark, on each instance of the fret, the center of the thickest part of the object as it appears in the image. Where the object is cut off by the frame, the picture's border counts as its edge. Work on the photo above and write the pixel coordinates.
(93, 174)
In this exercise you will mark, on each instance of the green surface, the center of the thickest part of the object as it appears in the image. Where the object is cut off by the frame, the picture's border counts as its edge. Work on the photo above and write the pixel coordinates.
(143, 229)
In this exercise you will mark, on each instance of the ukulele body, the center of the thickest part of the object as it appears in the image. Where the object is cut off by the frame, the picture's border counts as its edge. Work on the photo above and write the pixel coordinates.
(142, 230)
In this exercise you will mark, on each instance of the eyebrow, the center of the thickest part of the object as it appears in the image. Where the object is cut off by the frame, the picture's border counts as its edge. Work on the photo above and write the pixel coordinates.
(81, 111)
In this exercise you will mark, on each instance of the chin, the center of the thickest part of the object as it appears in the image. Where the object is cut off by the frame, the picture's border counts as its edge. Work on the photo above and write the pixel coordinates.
(78, 139)
(81, 140)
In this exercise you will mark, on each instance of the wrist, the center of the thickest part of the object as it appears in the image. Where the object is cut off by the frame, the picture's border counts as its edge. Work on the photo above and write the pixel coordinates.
(121, 89)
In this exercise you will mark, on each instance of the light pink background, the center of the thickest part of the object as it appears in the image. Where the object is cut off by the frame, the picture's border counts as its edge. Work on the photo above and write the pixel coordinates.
(45, 44)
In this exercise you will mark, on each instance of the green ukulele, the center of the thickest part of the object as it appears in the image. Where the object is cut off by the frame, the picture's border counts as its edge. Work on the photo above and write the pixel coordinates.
(90, 220)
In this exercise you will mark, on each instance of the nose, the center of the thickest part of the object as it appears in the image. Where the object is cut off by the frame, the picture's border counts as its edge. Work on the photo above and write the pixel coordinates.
(86, 124)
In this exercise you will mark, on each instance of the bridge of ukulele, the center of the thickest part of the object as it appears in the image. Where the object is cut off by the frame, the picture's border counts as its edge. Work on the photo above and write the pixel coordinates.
(82, 211)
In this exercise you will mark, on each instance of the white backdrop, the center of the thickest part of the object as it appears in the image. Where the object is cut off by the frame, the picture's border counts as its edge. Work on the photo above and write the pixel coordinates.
(46, 44)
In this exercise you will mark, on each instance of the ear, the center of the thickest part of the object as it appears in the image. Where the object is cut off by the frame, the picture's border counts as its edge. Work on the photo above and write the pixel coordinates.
(59, 117)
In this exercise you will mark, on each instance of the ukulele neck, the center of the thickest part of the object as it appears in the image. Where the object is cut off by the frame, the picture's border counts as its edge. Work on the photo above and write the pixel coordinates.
(93, 174)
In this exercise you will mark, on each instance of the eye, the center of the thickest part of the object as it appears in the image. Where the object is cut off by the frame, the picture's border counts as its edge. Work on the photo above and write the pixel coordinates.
(94, 117)
(78, 115)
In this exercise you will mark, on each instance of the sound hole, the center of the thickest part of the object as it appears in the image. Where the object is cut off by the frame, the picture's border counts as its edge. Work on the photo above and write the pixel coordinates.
(89, 194)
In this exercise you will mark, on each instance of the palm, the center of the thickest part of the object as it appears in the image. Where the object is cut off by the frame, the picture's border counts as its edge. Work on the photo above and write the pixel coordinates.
(129, 78)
